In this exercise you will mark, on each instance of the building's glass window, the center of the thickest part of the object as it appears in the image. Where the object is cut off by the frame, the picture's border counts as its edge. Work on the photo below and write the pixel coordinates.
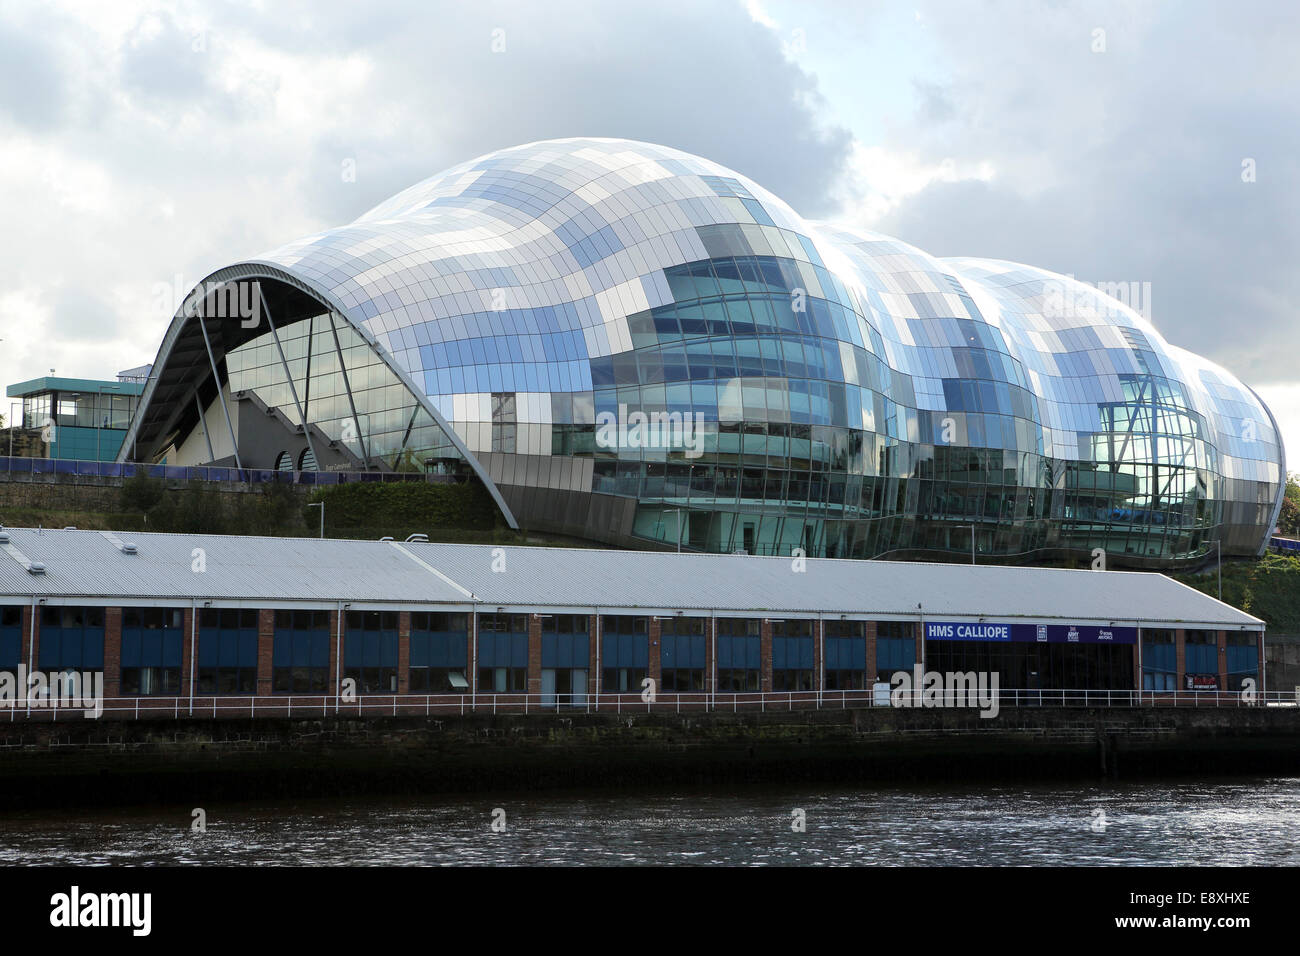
(846, 655)
(1025, 665)
(1201, 660)
(11, 638)
(792, 655)
(439, 651)
(566, 649)
(370, 651)
(683, 648)
(152, 642)
(363, 407)
(502, 653)
(227, 651)
(72, 638)
(1159, 660)
(1243, 659)
(300, 654)
(624, 653)
(739, 644)
(895, 648)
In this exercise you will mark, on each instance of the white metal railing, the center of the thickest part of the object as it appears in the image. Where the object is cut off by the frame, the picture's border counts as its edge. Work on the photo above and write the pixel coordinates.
(430, 705)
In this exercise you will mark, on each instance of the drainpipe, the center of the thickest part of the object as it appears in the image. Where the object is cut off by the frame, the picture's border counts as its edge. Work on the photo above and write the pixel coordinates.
(338, 652)
(1263, 671)
(473, 659)
(194, 629)
(595, 611)
(31, 658)
(916, 691)
(713, 695)
(1139, 673)
(821, 656)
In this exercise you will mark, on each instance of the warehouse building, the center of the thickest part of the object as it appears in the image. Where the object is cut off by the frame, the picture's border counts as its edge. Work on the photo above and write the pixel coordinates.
(187, 623)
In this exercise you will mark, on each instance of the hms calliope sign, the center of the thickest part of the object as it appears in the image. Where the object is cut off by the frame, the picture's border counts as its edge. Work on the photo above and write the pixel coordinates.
(1030, 633)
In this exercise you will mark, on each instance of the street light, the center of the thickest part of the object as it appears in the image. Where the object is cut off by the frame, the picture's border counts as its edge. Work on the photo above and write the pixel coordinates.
(12, 406)
(1218, 564)
(678, 512)
(321, 506)
(972, 539)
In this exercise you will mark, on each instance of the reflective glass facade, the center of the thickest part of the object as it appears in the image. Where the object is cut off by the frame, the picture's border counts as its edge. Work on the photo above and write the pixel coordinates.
(347, 393)
(636, 345)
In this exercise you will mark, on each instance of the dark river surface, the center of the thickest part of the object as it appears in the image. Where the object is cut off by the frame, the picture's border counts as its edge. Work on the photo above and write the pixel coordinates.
(1225, 822)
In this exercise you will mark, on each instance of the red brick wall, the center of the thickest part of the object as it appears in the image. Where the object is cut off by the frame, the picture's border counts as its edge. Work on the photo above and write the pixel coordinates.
(1180, 645)
(871, 653)
(472, 652)
(1222, 654)
(336, 655)
(403, 652)
(265, 644)
(187, 648)
(765, 654)
(654, 663)
(112, 652)
(710, 684)
(593, 672)
(818, 680)
(534, 653)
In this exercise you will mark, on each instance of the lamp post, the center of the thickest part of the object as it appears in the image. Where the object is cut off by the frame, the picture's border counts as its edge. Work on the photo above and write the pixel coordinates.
(1218, 564)
(678, 512)
(12, 406)
(972, 539)
(321, 506)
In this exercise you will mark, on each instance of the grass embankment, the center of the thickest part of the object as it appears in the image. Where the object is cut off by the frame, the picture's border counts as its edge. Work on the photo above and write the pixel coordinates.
(445, 512)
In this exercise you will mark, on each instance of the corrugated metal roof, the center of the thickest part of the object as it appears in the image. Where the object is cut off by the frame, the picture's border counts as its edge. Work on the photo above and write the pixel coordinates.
(586, 578)
(91, 564)
(86, 563)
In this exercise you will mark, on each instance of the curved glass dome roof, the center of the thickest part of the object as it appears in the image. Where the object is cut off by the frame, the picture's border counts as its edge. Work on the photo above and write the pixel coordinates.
(846, 393)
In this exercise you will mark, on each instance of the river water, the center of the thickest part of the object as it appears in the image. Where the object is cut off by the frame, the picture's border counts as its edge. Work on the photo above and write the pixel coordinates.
(1224, 822)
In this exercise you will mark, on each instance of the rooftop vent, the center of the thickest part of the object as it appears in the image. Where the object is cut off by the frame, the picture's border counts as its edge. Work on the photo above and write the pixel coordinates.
(4, 537)
(418, 538)
(124, 546)
(36, 568)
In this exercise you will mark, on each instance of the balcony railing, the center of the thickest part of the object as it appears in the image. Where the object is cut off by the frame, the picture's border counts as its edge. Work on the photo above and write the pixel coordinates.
(31, 469)
(440, 705)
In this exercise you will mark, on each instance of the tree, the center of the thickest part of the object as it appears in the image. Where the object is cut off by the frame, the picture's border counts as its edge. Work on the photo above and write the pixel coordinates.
(1288, 520)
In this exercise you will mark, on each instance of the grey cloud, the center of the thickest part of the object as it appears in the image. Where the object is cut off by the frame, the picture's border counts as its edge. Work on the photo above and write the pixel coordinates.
(1126, 165)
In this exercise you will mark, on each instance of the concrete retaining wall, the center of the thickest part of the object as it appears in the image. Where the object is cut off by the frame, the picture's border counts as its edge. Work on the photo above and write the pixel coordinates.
(94, 762)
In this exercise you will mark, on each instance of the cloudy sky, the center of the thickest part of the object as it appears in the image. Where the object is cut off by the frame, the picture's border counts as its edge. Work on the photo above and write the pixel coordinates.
(143, 145)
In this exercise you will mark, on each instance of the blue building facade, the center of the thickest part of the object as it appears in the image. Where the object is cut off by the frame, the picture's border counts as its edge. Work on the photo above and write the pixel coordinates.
(80, 419)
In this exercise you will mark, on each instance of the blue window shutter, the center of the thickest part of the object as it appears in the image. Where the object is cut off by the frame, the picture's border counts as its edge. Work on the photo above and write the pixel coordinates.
(319, 649)
(171, 649)
(92, 657)
(248, 649)
(131, 648)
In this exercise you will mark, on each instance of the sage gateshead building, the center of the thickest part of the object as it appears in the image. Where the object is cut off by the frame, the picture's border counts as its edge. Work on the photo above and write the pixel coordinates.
(636, 346)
